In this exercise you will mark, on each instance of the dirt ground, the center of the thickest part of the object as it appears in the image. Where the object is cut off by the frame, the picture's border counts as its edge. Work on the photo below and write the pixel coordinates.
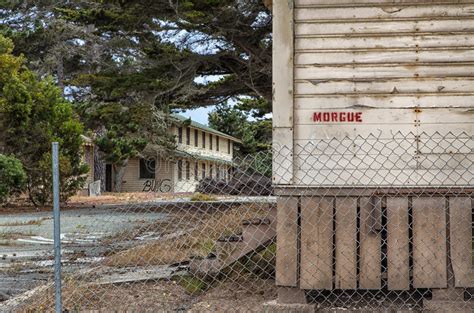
(246, 295)
(22, 205)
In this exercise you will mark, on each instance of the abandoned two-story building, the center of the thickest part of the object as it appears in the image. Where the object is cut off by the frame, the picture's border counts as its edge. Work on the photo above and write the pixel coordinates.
(202, 152)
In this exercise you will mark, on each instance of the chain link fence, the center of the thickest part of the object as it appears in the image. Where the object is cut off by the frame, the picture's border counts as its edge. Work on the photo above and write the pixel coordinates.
(368, 223)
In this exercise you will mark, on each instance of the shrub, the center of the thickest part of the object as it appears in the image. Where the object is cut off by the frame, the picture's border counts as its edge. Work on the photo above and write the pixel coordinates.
(202, 197)
(33, 113)
(12, 177)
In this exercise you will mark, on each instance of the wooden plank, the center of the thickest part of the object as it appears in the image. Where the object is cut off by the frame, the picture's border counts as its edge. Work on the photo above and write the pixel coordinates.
(382, 131)
(429, 243)
(346, 231)
(382, 56)
(378, 56)
(283, 92)
(372, 146)
(283, 63)
(428, 12)
(381, 3)
(380, 72)
(370, 243)
(460, 214)
(400, 41)
(282, 156)
(383, 27)
(398, 86)
(352, 131)
(363, 191)
(394, 101)
(384, 116)
(398, 271)
(383, 177)
(287, 242)
(316, 243)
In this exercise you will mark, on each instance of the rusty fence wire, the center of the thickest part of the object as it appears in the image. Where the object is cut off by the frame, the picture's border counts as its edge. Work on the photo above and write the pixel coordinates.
(365, 223)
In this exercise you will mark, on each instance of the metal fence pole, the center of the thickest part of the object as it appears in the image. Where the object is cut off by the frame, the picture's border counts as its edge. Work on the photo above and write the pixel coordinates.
(57, 230)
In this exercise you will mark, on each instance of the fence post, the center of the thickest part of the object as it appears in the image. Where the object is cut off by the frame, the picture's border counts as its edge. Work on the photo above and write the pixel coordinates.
(57, 229)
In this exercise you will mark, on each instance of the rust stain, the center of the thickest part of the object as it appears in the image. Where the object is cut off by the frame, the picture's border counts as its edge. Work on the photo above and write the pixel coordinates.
(391, 10)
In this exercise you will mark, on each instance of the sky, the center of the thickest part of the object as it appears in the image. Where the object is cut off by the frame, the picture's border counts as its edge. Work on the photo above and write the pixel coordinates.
(199, 115)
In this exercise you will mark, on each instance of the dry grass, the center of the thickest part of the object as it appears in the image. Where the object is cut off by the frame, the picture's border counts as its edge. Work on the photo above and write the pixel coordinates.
(202, 197)
(244, 295)
(185, 233)
(197, 235)
(27, 223)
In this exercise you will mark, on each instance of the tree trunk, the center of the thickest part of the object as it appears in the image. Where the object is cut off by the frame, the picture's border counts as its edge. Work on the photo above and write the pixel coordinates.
(99, 164)
(119, 170)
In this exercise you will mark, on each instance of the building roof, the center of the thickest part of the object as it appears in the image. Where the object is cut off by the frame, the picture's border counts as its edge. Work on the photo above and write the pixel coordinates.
(200, 157)
(204, 127)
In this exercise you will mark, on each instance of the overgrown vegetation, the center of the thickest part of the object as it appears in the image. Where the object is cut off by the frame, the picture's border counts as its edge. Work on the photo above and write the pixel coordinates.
(12, 177)
(197, 196)
(187, 235)
(150, 56)
(33, 114)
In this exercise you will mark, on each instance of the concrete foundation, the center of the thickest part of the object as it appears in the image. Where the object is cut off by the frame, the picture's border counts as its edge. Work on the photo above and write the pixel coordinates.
(448, 300)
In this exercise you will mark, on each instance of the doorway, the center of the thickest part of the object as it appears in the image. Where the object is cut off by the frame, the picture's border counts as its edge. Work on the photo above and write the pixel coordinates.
(108, 177)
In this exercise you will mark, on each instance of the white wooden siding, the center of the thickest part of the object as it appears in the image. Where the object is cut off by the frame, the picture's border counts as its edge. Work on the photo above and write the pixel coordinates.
(407, 67)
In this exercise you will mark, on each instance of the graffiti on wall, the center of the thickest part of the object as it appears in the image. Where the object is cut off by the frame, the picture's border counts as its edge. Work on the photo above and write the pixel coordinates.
(153, 185)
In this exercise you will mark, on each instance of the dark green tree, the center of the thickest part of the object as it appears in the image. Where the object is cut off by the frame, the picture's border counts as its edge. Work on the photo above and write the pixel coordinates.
(33, 114)
(12, 177)
(165, 45)
(255, 134)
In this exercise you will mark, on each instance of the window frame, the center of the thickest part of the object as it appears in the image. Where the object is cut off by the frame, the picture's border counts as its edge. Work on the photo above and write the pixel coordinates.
(188, 136)
(142, 165)
(196, 171)
(180, 170)
(180, 134)
(188, 170)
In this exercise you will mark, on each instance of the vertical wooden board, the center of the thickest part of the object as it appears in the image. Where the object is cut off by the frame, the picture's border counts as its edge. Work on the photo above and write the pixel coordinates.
(460, 214)
(283, 34)
(316, 242)
(282, 156)
(429, 243)
(398, 271)
(283, 53)
(287, 242)
(346, 232)
(370, 243)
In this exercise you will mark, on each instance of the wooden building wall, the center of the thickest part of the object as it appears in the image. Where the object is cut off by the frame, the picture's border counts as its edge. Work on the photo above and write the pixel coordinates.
(406, 67)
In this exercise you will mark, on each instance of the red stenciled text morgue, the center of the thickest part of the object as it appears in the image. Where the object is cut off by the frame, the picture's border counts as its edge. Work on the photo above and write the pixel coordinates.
(341, 117)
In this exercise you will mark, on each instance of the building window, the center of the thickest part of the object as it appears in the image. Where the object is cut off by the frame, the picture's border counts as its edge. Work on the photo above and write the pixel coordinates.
(188, 136)
(147, 168)
(210, 141)
(217, 143)
(211, 170)
(180, 135)
(188, 170)
(203, 166)
(218, 172)
(228, 146)
(203, 140)
(196, 171)
(196, 137)
(180, 170)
